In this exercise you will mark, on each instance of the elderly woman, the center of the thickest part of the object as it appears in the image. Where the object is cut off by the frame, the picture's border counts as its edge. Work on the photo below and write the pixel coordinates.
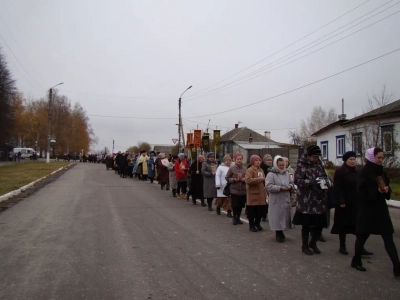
(312, 182)
(220, 183)
(196, 182)
(279, 185)
(172, 174)
(181, 168)
(236, 177)
(163, 176)
(256, 203)
(208, 170)
(373, 215)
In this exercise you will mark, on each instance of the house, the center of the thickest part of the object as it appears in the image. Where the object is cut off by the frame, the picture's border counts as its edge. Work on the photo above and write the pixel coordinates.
(246, 141)
(377, 128)
(167, 149)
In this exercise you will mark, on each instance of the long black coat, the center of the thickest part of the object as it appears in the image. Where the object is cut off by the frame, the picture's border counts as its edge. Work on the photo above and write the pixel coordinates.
(196, 183)
(345, 187)
(373, 214)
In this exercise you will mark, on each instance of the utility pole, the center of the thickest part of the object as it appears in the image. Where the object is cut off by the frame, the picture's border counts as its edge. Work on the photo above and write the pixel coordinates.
(180, 129)
(48, 127)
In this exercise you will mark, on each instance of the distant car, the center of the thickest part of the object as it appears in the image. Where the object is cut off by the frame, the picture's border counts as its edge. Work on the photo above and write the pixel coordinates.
(25, 152)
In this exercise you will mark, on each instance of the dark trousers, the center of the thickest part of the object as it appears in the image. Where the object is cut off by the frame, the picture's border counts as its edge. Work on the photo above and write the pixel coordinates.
(182, 187)
(236, 212)
(315, 233)
(389, 246)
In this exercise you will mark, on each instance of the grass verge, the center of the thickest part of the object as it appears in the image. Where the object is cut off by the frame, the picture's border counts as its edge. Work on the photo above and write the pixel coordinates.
(15, 176)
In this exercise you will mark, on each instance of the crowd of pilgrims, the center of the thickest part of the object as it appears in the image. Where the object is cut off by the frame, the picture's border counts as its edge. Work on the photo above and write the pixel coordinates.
(270, 190)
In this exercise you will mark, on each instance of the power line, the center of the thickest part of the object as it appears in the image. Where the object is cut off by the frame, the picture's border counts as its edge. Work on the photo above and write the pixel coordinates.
(253, 75)
(284, 47)
(12, 34)
(116, 96)
(301, 87)
(21, 63)
(124, 117)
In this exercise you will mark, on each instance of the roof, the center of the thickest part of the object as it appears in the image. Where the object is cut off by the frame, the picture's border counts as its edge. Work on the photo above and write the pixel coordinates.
(243, 134)
(391, 109)
(163, 148)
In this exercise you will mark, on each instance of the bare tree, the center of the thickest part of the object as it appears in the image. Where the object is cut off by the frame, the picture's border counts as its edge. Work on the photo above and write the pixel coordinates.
(144, 146)
(294, 137)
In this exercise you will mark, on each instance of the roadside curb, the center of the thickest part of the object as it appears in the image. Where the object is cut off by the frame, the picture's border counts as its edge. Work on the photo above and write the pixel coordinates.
(22, 189)
(393, 203)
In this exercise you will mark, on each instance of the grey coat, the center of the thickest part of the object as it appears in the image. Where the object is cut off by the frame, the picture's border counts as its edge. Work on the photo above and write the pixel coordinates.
(172, 176)
(279, 202)
(209, 180)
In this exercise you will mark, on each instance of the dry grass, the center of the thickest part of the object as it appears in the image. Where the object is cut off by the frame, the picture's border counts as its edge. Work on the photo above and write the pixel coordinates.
(15, 176)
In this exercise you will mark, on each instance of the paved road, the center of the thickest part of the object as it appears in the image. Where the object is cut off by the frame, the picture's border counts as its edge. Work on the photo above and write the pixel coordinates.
(93, 235)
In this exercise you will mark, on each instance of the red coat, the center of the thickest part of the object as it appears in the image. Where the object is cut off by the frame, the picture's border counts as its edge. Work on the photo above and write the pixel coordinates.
(181, 174)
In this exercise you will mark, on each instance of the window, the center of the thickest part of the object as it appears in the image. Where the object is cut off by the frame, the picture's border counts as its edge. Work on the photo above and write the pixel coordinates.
(357, 143)
(387, 139)
(324, 150)
(340, 145)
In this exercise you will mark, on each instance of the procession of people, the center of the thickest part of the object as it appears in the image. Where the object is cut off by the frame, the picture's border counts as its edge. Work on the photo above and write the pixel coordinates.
(269, 190)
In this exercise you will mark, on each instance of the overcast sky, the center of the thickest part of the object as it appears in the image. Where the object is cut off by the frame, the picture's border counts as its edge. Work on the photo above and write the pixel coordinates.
(132, 59)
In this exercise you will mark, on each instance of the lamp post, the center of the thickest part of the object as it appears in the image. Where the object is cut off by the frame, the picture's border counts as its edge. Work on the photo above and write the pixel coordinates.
(113, 145)
(180, 118)
(48, 123)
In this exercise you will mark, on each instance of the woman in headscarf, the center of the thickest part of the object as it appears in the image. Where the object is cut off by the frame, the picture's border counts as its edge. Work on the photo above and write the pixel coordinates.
(312, 184)
(163, 177)
(266, 166)
(181, 169)
(236, 177)
(196, 183)
(208, 170)
(172, 174)
(279, 185)
(256, 204)
(220, 183)
(151, 170)
(373, 214)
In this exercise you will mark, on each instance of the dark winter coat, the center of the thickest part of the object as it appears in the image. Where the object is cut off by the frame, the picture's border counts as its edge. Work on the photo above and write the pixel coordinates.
(196, 183)
(372, 211)
(311, 199)
(345, 187)
(163, 173)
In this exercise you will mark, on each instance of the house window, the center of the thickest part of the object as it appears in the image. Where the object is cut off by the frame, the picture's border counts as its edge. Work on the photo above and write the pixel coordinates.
(357, 143)
(387, 139)
(340, 145)
(324, 150)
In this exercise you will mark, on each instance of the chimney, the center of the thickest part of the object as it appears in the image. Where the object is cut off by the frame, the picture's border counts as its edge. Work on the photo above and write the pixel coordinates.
(250, 138)
(236, 125)
(342, 116)
(267, 134)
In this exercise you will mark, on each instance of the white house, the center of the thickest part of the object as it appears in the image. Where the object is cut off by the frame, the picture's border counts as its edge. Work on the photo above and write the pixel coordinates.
(377, 128)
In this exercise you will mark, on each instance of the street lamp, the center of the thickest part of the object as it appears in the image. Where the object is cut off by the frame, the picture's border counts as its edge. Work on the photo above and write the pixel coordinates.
(48, 123)
(180, 118)
(113, 145)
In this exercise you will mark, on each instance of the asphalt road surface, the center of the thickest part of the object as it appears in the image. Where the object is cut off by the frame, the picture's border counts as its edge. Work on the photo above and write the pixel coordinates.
(93, 235)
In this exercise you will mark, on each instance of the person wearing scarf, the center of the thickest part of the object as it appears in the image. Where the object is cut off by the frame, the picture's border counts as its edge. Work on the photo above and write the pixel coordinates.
(372, 212)
(220, 183)
(236, 177)
(197, 180)
(163, 174)
(256, 203)
(279, 185)
(181, 170)
(208, 170)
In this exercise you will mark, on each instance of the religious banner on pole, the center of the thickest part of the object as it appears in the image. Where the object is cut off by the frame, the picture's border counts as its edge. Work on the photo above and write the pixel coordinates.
(193, 151)
(205, 142)
(217, 138)
(189, 139)
(197, 138)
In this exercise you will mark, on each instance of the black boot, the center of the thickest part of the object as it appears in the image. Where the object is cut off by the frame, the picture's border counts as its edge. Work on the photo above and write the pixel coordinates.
(279, 236)
(209, 203)
(174, 192)
(252, 226)
(194, 201)
(396, 271)
(229, 215)
(305, 248)
(234, 220)
(257, 224)
(313, 243)
(357, 264)
(218, 211)
(366, 253)
(202, 202)
(238, 220)
(342, 239)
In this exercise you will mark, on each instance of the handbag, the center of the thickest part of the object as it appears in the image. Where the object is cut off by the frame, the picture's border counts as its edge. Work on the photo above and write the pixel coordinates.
(331, 199)
(227, 190)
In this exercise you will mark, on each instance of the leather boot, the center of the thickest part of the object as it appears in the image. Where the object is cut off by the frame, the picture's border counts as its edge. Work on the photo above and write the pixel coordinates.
(202, 202)
(305, 248)
(366, 253)
(173, 192)
(396, 271)
(218, 211)
(357, 264)
(313, 243)
(229, 215)
(194, 201)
